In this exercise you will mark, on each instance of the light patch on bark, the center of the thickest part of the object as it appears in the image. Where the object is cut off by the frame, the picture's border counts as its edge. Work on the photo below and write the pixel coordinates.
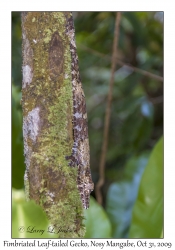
(66, 76)
(27, 75)
(31, 124)
(52, 196)
(30, 130)
(27, 154)
(26, 183)
(23, 35)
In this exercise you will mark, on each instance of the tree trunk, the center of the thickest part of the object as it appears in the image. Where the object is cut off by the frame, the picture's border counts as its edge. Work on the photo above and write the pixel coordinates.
(47, 102)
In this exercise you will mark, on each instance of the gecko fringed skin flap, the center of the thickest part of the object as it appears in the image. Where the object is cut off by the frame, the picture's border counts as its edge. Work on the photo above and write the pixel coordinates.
(80, 156)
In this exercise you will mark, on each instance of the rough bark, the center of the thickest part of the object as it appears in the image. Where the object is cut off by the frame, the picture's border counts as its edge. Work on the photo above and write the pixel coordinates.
(47, 115)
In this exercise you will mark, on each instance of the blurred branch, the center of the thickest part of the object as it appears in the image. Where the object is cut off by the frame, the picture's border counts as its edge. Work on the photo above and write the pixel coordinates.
(108, 112)
(141, 71)
(119, 62)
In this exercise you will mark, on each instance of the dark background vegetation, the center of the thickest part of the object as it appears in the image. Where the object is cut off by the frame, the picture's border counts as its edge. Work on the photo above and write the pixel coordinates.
(137, 109)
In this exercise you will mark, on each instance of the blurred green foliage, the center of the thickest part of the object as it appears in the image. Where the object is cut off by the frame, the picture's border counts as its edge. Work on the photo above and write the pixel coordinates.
(97, 222)
(136, 118)
(122, 194)
(28, 219)
(17, 140)
(16, 48)
(147, 219)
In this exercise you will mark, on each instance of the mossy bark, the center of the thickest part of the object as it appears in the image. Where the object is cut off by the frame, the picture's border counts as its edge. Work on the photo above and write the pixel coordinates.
(47, 120)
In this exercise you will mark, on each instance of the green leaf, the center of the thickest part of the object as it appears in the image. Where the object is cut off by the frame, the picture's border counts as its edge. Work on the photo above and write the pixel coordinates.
(28, 219)
(147, 219)
(96, 221)
(121, 196)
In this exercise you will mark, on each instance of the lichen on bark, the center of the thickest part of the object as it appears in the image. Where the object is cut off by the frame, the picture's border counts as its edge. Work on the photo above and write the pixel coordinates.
(47, 114)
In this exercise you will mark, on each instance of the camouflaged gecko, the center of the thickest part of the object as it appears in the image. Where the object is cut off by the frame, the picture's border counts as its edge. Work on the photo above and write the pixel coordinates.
(80, 156)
